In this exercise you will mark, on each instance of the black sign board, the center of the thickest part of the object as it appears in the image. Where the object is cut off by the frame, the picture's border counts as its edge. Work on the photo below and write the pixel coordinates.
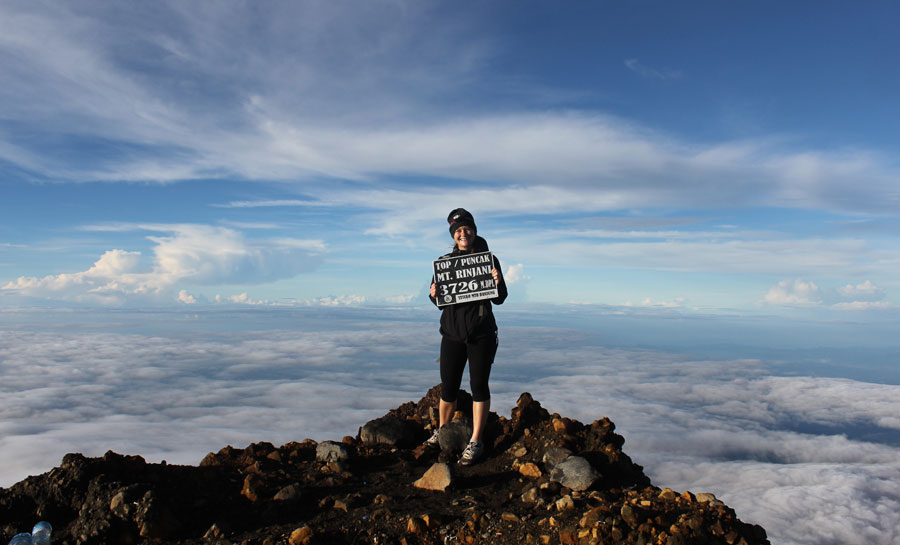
(464, 278)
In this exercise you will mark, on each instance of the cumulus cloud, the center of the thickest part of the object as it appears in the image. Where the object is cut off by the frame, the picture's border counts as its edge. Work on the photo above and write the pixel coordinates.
(793, 292)
(515, 274)
(867, 291)
(196, 254)
(339, 300)
(186, 298)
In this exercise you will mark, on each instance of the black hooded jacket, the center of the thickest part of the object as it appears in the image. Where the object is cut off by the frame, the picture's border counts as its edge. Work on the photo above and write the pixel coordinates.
(474, 319)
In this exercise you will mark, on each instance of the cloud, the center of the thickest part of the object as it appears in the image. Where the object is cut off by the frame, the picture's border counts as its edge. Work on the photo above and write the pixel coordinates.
(867, 291)
(186, 298)
(186, 253)
(162, 94)
(340, 300)
(648, 302)
(812, 459)
(269, 203)
(652, 73)
(863, 305)
(793, 292)
(515, 274)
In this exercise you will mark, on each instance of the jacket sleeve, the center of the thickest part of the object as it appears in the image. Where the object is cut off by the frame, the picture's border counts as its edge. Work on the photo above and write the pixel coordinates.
(433, 300)
(501, 287)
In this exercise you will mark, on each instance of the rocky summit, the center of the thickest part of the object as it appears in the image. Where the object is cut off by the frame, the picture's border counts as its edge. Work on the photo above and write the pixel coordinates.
(545, 480)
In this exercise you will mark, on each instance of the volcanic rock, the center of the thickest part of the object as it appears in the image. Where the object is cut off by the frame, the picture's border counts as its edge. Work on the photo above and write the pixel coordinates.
(438, 477)
(575, 472)
(332, 451)
(369, 490)
(387, 430)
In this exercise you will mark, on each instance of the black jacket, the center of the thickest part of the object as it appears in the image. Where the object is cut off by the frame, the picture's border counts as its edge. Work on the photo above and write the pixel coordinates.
(475, 319)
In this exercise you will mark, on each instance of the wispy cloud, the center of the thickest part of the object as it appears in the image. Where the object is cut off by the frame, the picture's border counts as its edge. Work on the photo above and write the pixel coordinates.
(295, 121)
(652, 73)
(269, 203)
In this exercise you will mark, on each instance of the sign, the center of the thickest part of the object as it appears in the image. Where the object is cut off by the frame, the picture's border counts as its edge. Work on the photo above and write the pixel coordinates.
(464, 278)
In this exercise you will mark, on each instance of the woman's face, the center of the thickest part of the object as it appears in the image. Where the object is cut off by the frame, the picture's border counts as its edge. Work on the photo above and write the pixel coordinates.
(464, 237)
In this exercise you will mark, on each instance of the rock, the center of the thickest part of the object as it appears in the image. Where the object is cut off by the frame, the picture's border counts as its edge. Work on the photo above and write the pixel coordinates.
(509, 517)
(251, 487)
(629, 515)
(288, 493)
(123, 499)
(332, 451)
(706, 497)
(387, 430)
(565, 503)
(591, 517)
(438, 477)
(531, 495)
(214, 533)
(301, 536)
(667, 494)
(381, 499)
(554, 456)
(559, 425)
(415, 525)
(575, 472)
(455, 435)
(567, 536)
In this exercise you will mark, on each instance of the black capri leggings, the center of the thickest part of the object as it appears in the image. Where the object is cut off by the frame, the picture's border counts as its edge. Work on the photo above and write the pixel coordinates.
(480, 353)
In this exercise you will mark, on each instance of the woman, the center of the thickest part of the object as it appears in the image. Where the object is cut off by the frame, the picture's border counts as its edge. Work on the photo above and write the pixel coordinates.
(468, 332)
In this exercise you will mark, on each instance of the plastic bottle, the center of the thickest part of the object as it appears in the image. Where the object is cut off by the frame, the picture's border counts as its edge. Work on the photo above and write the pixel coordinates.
(40, 534)
(21, 539)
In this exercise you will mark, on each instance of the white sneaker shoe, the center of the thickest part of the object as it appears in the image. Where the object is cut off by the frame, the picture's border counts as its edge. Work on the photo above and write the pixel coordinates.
(434, 440)
(474, 451)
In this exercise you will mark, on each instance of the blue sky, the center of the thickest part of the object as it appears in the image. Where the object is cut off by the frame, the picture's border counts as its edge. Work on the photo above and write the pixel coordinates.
(702, 156)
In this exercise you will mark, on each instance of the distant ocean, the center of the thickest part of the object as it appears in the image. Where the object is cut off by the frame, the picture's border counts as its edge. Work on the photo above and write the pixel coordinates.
(794, 424)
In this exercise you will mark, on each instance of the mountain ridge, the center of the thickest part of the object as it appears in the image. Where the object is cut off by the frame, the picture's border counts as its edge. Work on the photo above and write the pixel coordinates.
(546, 479)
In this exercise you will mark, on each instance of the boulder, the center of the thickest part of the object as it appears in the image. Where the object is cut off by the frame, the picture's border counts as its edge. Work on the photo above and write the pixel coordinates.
(455, 434)
(387, 430)
(574, 472)
(332, 451)
(438, 477)
(554, 455)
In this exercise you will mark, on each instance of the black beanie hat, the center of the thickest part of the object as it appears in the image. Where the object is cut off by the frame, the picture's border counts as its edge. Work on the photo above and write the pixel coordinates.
(459, 217)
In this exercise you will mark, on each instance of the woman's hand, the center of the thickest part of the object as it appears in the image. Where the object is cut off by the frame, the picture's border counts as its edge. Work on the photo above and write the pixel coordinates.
(496, 274)
(434, 290)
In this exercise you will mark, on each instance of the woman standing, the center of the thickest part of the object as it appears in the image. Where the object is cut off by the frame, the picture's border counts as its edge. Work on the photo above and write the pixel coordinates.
(468, 332)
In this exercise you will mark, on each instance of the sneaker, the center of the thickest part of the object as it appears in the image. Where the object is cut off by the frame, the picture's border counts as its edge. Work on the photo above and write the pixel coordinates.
(434, 440)
(474, 451)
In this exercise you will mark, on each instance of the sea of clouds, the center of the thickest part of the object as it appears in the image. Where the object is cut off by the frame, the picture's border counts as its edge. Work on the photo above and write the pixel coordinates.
(813, 459)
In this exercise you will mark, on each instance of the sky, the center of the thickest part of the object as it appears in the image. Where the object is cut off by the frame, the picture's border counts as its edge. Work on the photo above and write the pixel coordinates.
(705, 155)
(217, 223)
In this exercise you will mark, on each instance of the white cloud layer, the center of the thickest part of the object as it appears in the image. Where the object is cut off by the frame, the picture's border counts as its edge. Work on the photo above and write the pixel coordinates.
(812, 459)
